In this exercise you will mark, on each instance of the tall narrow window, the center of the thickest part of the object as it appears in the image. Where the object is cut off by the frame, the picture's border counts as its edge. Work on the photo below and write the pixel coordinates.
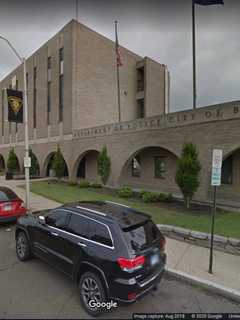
(136, 167)
(140, 108)
(61, 83)
(16, 89)
(159, 167)
(34, 97)
(9, 123)
(48, 89)
(3, 112)
(140, 79)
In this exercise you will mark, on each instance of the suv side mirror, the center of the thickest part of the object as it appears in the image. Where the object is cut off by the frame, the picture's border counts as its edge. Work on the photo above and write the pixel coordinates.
(42, 219)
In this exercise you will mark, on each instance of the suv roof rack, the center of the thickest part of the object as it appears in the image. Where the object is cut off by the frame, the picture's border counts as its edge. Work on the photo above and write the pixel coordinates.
(91, 210)
(119, 204)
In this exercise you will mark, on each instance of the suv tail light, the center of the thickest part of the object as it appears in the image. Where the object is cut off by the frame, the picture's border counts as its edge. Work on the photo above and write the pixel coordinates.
(163, 244)
(131, 264)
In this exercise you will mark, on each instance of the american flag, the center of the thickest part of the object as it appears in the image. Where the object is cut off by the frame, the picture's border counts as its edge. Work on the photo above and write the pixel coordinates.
(118, 56)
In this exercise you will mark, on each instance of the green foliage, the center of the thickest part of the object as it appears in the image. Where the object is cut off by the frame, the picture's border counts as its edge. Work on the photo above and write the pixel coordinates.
(150, 196)
(163, 197)
(125, 192)
(104, 165)
(72, 183)
(12, 162)
(58, 164)
(188, 170)
(84, 184)
(34, 169)
(96, 185)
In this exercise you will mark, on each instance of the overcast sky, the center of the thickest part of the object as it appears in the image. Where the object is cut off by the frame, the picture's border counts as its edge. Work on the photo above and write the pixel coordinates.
(150, 28)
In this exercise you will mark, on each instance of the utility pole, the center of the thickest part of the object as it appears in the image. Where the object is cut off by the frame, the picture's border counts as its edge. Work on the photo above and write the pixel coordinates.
(27, 161)
(194, 56)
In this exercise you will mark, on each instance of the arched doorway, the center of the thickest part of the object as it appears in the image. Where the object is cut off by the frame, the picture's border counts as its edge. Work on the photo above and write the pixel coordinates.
(35, 167)
(151, 168)
(48, 166)
(230, 178)
(86, 166)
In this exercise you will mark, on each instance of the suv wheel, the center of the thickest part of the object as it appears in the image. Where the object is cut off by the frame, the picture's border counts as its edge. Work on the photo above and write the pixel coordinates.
(23, 247)
(91, 293)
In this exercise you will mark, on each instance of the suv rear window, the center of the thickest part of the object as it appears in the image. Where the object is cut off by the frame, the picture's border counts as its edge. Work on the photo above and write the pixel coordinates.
(142, 236)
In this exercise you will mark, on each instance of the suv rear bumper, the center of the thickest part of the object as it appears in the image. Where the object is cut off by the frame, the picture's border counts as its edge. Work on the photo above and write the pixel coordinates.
(140, 289)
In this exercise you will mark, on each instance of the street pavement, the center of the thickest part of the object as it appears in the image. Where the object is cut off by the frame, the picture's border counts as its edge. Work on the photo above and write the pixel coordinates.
(49, 293)
(33, 289)
(182, 256)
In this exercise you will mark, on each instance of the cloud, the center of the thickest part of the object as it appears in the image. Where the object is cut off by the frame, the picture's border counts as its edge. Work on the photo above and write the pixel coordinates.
(155, 28)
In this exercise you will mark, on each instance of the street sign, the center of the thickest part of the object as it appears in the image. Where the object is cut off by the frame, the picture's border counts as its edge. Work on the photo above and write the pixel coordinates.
(27, 162)
(216, 167)
(215, 181)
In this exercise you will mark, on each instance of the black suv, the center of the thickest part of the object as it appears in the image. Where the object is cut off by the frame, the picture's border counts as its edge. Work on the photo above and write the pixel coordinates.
(112, 251)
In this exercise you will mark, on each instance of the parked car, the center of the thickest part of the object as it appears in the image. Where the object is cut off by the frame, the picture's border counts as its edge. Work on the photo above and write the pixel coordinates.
(112, 251)
(11, 206)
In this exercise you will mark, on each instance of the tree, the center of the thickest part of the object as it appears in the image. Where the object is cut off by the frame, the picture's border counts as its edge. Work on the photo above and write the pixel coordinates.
(12, 162)
(58, 163)
(188, 170)
(34, 169)
(104, 165)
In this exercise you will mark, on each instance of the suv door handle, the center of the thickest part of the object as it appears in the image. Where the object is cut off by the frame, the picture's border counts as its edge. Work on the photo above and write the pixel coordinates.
(81, 244)
(54, 234)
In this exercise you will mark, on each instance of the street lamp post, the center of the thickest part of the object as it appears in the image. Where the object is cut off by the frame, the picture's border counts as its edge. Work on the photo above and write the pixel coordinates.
(27, 176)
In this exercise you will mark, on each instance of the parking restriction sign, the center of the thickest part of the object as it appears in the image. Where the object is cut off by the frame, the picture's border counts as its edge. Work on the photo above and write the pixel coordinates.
(216, 167)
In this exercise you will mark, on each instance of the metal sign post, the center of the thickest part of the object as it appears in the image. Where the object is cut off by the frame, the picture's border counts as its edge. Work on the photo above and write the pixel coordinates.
(215, 182)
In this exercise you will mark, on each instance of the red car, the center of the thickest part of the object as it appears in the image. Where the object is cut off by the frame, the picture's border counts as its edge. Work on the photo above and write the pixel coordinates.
(11, 206)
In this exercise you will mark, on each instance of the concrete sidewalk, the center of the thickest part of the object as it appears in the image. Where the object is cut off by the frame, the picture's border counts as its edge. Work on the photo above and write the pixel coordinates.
(194, 261)
(37, 202)
(183, 257)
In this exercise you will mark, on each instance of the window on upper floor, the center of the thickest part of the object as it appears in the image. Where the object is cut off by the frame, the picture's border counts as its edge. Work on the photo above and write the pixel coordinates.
(140, 79)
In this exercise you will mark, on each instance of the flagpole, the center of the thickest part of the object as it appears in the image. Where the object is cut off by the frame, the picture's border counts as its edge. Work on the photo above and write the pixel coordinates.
(194, 56)
(118, 80)
(76, 7)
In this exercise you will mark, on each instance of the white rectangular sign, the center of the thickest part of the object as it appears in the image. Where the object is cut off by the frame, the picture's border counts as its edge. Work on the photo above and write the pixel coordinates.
(27, 162)
(216, 167)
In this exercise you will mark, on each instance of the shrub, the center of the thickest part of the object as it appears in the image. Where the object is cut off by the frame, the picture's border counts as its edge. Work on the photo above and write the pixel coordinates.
(188, 170)
(12, 162)
(125, 192)
(104, 165)
(34, 169)
(150, 196)
(58, 164)
(84, 184)
(72, 183)
(96, 185)
(163, 197)
(141, 193)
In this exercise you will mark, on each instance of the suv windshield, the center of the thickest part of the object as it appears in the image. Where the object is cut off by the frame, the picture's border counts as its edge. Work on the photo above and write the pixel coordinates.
(142, 236)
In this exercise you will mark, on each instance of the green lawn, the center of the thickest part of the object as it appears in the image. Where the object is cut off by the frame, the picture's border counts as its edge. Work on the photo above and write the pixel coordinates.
(227, 224)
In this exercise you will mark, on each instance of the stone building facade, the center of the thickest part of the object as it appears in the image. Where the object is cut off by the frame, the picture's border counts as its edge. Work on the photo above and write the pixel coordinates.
(73, 103)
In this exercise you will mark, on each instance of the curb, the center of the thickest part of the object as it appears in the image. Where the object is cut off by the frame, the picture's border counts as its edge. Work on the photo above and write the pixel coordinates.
(226, 243)
(213, 287)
